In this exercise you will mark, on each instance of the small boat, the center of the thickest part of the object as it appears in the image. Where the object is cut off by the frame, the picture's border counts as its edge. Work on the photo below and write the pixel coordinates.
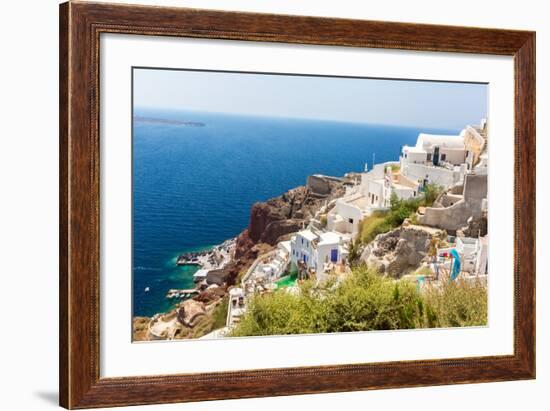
(146, 289)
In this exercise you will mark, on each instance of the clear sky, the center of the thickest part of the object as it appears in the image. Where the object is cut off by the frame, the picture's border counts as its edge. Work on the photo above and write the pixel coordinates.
(395, 102)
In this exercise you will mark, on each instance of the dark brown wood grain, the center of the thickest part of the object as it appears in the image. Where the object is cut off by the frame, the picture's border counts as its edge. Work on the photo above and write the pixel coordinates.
(80, 27)
(63, 205)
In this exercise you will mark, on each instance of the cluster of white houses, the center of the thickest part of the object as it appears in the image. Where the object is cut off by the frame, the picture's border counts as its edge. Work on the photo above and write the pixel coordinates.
(456, 163)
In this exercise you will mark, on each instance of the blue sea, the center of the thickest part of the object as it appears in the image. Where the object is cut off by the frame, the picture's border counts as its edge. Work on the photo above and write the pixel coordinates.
(193, 186)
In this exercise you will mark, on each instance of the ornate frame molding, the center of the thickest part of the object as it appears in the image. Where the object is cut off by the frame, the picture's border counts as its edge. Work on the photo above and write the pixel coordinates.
(80, 27)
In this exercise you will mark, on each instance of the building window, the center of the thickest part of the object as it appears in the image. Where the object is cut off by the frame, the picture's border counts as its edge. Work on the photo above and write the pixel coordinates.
(443, 157)
(350, 220)
(429, 157)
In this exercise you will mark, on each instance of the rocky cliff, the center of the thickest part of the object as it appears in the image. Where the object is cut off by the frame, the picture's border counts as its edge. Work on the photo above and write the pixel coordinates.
(274, 220)
(402, 249)
(278, 217)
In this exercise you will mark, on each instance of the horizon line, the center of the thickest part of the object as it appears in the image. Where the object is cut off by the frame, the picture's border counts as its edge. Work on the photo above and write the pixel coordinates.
(236, 114)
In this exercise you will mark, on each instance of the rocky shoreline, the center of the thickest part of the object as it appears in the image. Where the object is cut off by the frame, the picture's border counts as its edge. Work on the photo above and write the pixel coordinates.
(216, 257)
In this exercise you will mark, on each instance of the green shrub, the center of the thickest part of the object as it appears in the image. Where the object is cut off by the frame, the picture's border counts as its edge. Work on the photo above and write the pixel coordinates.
(401, 209)
(364, 301)
(458, 304)
(219, 314)
(354, 250)
(382, 222)
(431, 192)
(373, 225)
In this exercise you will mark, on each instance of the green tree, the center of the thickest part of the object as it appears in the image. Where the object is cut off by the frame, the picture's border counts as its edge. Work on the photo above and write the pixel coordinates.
(431, 192)
(354, 252)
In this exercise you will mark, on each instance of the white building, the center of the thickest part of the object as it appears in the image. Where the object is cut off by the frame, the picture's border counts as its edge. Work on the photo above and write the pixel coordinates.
(267, 269)
(374, 193)
(275, 266)
(348, 213)
(472, 252)
(436, 149)
(317, 252)
(437, 159)
(302, 248)
(382, 181)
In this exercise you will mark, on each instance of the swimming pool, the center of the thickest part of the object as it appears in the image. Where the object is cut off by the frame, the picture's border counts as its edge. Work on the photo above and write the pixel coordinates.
(287, 281)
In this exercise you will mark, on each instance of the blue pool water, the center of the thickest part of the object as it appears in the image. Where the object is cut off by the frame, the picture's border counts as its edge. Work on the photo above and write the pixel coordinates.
(193, 186)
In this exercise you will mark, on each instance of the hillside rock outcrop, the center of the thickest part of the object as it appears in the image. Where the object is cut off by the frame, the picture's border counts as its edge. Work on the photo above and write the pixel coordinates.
(190, 311)
(276, 218)
(400, 250)
(476, 227)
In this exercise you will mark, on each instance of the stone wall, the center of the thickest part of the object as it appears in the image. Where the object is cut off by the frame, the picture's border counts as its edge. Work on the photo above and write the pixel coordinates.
(322, 185)
(456, 216)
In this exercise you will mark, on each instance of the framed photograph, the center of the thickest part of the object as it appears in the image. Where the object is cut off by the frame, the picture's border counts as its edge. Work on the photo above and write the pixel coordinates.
(260, 205)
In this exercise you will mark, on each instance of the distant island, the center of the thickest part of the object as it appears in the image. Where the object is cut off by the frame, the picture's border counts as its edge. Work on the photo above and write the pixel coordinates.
(170, 122)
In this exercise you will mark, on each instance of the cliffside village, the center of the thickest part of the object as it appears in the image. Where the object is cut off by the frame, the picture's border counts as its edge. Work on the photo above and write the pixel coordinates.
(444, 241)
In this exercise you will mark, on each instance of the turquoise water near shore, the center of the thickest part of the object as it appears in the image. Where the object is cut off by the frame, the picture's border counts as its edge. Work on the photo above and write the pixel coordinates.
(194, 185)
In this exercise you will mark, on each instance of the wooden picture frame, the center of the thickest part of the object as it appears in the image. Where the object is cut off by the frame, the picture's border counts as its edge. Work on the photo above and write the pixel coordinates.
(80, 27)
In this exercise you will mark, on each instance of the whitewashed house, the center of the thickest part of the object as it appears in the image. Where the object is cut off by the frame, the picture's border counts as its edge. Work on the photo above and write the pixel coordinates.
(437, 159)
(382, 181)
(347, 213)
(302, 248)
(277, 264)
(373, 193)
(444, 160)
(331, 249)
(317, 252)
(432, 149)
